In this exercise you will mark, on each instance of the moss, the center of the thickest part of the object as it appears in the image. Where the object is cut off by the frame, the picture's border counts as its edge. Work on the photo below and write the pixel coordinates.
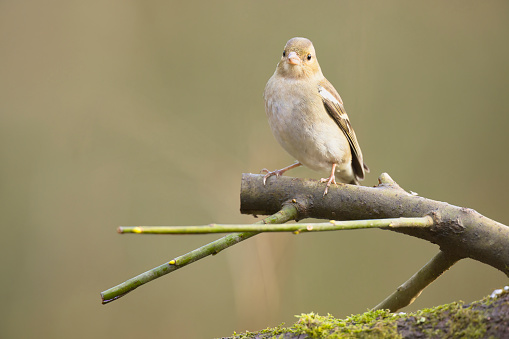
(274, 332)
(454, 320)
(461, 321)
(372, 324)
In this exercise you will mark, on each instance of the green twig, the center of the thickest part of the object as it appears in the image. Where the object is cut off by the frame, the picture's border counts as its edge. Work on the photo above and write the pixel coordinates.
(288, 212)
(412, 288)
(296, 228)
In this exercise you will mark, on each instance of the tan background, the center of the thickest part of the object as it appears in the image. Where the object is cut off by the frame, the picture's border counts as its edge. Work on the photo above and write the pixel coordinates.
(147, 112)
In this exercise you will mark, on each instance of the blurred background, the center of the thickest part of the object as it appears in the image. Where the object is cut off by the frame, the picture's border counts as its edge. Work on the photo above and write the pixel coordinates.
(148, 112)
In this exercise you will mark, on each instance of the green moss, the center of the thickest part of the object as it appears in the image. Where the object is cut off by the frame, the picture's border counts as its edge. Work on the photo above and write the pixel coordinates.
(453, 320)
(433, 315)
(372, 324)
(463, 321)
(274, 332)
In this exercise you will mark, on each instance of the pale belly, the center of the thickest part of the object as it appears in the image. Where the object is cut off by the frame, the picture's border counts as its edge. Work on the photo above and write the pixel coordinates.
(314, 139)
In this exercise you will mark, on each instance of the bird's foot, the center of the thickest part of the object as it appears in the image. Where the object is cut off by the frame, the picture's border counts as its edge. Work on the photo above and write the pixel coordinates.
(279, 172)
(330, 180)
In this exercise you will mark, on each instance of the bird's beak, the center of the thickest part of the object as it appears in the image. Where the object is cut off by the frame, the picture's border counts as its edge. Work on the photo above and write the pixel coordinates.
(294, 59)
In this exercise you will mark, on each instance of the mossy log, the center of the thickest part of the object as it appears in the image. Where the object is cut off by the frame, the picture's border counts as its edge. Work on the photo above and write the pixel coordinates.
(487, 318)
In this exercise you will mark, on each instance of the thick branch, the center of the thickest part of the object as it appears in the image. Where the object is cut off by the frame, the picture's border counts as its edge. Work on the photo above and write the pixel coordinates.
(460, 232)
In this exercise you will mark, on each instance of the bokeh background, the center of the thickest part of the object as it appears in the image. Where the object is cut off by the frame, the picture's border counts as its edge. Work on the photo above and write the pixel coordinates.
(147, 112)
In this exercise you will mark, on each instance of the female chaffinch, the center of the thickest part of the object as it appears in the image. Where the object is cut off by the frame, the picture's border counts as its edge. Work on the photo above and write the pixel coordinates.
(307, 117)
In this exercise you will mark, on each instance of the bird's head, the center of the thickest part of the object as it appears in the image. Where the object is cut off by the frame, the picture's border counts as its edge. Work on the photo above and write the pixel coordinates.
(299, 59)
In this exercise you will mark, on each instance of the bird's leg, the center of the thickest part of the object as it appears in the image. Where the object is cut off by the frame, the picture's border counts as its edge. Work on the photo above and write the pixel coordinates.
(329, 180)
(279, 172)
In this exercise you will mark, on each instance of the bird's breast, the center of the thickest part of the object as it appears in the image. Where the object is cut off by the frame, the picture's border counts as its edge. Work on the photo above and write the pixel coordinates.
(302, 126)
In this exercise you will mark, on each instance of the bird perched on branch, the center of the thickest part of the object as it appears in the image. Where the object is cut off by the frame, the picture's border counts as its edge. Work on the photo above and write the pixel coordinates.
(307, 117)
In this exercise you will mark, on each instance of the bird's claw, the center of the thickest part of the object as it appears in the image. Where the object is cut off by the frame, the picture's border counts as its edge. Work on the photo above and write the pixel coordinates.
(330, 180)
(277, 173)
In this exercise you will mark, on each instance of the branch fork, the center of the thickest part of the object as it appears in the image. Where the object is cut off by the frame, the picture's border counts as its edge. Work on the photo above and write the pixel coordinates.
(459, 232)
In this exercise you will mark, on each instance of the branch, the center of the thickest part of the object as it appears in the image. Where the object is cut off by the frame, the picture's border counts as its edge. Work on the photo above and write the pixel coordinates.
(460, 232)
(287, 212)
(332, 225)
(412, 288)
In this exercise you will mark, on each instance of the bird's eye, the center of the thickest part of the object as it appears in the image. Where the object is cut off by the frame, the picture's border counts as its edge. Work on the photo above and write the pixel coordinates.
(284, 53)
(309, 56)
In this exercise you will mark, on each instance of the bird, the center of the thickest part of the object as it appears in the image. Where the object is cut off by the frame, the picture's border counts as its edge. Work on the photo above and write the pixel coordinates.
(308, 119)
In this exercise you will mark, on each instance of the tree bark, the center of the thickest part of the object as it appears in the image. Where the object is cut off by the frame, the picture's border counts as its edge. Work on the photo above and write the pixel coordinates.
(458, 231)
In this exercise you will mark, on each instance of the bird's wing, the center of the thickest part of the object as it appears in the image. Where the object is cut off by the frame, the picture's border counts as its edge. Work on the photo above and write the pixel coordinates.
(334, 106)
